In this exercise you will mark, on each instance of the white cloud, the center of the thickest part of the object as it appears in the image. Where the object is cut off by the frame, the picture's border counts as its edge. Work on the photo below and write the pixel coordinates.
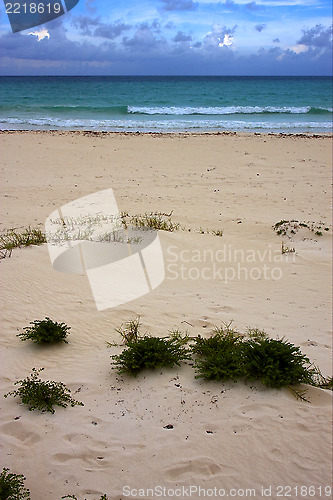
(41, 34)
(227, 41)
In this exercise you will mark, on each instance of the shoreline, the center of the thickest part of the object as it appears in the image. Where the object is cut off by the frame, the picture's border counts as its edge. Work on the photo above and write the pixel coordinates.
(96, 133)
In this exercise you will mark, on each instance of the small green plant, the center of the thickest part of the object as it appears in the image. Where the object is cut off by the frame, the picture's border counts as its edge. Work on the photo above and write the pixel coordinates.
(217, 232)
(43, 395)
(286, 249)
(12, 486)
(150, 352)
(11, 239)
(45, 331)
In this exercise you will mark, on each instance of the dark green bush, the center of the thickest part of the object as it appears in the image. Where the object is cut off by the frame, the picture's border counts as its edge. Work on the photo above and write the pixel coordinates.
(276, 363)
(12, 486)
(150, 352)
(219, 356)
(45, 331)
(43, 395)
(229, 356)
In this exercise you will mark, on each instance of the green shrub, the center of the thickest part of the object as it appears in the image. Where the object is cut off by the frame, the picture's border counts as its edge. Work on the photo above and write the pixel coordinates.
(150, 352)
(227, 355)
(43, 395)
(12, 486)
(276, 363)
(219, 356)
(45, 331)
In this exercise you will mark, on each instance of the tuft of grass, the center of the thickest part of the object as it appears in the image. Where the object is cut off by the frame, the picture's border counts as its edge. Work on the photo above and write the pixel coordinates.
(150, 352)
(217, 232)
(11, 239)
(43, 395)
(130, 332)
(286, 249)
(155, 220)
(45, 331)
(12, 486)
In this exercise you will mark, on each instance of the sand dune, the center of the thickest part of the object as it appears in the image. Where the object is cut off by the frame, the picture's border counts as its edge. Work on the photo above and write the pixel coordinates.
(237, 438)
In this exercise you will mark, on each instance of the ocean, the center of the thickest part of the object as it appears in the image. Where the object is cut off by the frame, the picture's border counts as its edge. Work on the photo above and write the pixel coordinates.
(167, 104)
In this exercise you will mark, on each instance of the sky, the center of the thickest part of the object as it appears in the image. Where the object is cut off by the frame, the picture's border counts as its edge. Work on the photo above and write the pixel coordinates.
(175, 37)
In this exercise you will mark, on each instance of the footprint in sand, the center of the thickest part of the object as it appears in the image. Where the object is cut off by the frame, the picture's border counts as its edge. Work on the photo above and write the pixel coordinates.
(199, 468)
(20, 432)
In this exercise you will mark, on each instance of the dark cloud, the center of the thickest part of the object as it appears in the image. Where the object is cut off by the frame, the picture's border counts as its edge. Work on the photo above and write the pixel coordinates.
(260, 27)
(276, 40)
(144, 41)
(145, 51)
(252, 6)
(181, 37)
(179, 5)
(319, 36)
(154, 26)
(89, 26)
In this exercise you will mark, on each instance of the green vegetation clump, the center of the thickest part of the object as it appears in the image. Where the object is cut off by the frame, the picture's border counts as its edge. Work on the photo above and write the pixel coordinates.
(11, 239)
(43, 395)
(219, 357)
(12, 486)
(276, 363)
(150, 352)
(225, 355)
(291, 227)
(45, 331)
(229, 355)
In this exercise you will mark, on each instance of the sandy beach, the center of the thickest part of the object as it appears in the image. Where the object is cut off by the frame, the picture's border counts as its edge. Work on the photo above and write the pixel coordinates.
(227, 439)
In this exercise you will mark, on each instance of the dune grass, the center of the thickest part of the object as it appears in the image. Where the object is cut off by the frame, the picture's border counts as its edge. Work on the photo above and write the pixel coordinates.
(12, 238)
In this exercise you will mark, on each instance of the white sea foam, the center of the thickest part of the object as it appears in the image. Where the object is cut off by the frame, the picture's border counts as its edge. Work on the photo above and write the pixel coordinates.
(146, 125)
(214, 110)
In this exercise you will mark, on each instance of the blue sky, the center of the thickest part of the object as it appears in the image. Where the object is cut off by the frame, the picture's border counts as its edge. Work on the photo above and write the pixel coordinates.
(176, 37)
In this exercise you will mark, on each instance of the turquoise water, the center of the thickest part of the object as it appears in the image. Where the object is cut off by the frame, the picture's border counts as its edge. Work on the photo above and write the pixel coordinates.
(166, 104)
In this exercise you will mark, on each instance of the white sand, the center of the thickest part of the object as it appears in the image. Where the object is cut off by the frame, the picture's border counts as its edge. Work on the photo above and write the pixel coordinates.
(257, 437)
